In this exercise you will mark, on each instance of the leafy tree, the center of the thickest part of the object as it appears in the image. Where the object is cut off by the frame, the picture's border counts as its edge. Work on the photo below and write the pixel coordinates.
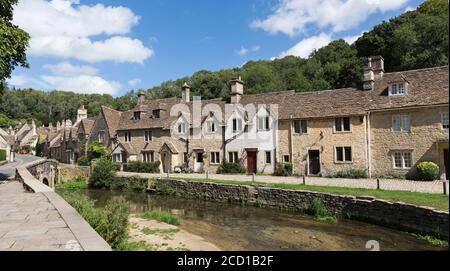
(13, 42)
(103, 174)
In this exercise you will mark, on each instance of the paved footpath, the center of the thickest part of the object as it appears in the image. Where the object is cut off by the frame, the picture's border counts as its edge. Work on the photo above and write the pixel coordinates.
(397, 185)
(28, 221)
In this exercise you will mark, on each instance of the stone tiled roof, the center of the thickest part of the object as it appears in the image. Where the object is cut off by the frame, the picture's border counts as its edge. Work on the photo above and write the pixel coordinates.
(425, 87)
(87, 125)
(128, 147)
(112, 118)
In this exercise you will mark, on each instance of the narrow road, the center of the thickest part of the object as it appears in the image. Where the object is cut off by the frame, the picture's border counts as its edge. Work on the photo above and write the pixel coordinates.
(8, 171)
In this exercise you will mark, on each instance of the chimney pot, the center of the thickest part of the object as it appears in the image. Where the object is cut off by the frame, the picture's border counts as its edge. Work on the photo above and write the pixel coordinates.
(186, 92)
(141, 97)
(237, 90)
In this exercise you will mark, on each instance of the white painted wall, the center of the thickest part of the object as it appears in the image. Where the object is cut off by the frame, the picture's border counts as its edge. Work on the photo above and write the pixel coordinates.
(253, 139)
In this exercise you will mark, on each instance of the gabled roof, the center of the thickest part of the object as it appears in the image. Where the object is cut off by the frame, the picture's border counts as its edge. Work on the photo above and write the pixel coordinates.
(112, 119)
(425, 87)
(127, 147)
(87, 125)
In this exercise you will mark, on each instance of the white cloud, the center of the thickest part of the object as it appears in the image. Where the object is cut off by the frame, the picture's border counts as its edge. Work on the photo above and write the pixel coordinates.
(305, 47)
(293, 17)
(83, 84)
(64, 28)
(351, 39)
(134, 82)
(256, 48)
(409, 8)
(242, 52)
(65, 68)
(17, 80)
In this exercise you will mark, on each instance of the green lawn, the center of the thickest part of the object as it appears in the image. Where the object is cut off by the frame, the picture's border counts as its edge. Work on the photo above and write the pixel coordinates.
(437, 201)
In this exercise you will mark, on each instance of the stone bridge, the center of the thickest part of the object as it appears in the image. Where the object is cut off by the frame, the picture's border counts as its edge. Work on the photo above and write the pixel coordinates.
(34, 217)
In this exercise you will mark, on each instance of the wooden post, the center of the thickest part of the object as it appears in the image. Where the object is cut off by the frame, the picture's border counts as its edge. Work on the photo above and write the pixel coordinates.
(168, 174)
(304, 180)
(207, 177)
(253, 177)
(378, 184)
(445, 187)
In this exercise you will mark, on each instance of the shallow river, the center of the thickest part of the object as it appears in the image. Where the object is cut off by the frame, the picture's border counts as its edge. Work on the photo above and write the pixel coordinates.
(234, 227)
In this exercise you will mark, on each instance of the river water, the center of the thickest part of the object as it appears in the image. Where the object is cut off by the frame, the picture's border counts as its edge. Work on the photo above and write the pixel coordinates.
(234, 227)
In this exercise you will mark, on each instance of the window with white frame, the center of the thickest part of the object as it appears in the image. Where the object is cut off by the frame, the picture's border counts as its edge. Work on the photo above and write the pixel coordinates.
(237, 125)
(263, 123)
(268, 157)
(148, 156)
(233, 157)
(210, 126)
(401, 123)
(101, 137)
(181, 128)
(286, 158)
(343, 154)
(301, 126)
(342, 124)
(215, 157)
(398, 89)
(147, 136)
(402, 159)
(117, 158)
(445, 120)
(127, 136)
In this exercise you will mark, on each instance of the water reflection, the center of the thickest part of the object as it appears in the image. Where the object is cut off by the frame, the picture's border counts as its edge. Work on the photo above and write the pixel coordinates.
(234, 227)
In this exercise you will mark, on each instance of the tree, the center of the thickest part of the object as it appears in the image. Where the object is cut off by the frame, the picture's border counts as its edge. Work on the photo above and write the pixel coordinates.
(13, 41)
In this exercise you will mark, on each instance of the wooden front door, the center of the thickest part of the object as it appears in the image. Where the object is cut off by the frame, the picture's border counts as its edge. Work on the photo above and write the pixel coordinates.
(446, 165)
(251, 162)
(314, 162)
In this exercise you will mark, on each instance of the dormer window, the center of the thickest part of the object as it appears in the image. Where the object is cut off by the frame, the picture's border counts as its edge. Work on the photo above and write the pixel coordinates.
(237, 125)
(137, 115)
(181, 128)
(398, 89)
(211, 126)
(263, 123)
(156, 113)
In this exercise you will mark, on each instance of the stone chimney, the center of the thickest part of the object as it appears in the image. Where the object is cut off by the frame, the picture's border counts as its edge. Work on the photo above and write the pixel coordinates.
(237, 90)
(186, 93)
(58, 125)
(377, 64)
(81, 114)
(373, 72)
(141, 97)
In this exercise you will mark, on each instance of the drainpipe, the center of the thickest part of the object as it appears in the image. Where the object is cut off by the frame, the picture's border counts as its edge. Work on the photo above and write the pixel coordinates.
(369, 139)
(291, 143)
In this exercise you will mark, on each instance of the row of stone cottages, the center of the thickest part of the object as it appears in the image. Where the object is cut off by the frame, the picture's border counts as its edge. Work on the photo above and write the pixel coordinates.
(394, 122)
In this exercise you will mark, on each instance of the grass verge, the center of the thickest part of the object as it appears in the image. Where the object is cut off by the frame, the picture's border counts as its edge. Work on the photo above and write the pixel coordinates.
(162, 217)
(437, 201)
(432, 240)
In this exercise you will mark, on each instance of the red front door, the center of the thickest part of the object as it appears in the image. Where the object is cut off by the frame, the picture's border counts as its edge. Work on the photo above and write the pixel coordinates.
(251, 162)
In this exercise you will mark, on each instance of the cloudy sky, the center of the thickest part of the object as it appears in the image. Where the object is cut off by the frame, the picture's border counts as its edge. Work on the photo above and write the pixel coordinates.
(113, 46)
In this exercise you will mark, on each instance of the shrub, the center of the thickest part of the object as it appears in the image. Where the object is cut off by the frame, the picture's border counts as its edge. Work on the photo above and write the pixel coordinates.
(103, 174)
(114, 228)
(143, 167)
(133, 183)
(350, 174)
(2, 155)
(318, 209)
(97, 150)
(283, 169)
(78, 183)
(83, 161)
(230, 168)
(427, 171)
(111, 223)
(162, 217)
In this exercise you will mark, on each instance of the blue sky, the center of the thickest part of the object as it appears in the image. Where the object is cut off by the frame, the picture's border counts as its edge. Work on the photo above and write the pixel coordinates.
(113, 46)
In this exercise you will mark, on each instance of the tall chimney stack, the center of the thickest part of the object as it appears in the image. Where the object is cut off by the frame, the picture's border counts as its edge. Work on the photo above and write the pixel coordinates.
(377, 64)
(186, 93)
(141, 97)
(237, 90)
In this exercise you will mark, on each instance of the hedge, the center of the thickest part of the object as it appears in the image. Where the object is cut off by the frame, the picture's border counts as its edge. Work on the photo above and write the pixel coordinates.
(2, 155)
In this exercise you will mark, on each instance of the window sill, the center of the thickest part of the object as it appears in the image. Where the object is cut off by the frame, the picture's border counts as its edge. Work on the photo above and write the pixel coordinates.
(399, 168)
(344, 132)
(343, 162)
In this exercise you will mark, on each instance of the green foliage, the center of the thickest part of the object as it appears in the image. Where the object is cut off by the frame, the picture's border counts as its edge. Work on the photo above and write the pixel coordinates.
(317, 208)
(13, 41)
(432, 240)
(416, 39)
(143, 167)
(427, 171)
(230, 168)
(78, 183)
(103, 174)
(2, 155)
(115, 226)
(133, 183)
(83, 161)
(135, 246)
(283, 169)
(162, 216)
(97, 150)
(350, 174)
(111, 222)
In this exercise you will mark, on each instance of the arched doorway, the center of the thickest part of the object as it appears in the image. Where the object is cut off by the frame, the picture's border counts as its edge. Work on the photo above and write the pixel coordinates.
(45, 181)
